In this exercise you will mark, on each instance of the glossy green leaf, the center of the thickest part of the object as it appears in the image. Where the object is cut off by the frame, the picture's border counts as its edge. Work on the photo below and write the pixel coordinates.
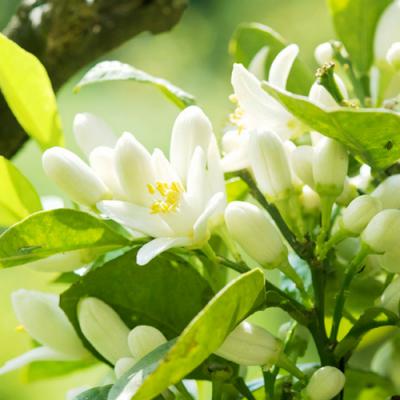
(373, 135)
(97, 393)
(166, 293)
(18, 198)
(206, 332)
(117, 71)
(355, 22)
(50, 232)
(27, 89)
(249, 38)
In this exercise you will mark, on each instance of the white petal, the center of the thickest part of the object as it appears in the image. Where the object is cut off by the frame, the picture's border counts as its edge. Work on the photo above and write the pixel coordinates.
(36, 354)
(102, 161)
(235, 160)
(196, 180)
(163, 168)
(135, 217)
(215, 207)
(257, 63)
(73, 176)
(281, 66)
(215, 173)
(132, 387)
(157, 246)
(52, 202)
(192, 128)
(91, 131)
(134, 169)
(46, 322)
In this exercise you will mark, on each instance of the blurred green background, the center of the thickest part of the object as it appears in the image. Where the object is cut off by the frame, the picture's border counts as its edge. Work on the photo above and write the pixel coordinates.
(194, 56)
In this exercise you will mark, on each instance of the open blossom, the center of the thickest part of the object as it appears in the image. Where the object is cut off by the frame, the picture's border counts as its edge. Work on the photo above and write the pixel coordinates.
(176, 202)
(40, 315)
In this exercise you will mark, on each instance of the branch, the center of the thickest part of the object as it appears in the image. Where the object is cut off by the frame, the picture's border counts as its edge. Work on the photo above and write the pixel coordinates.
(69, 34)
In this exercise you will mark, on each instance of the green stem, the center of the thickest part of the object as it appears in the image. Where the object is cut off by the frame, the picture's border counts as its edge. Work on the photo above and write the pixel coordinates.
(209, 252)
(326, 78)
(183, 391)
(243, 389)
(238, 267)
(287, 364)
(344, 291)
(230, 244)
(217, 391)
(291, 273)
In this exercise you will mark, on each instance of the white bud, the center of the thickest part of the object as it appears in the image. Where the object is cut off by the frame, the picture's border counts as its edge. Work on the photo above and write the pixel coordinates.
(143, 339)
(302, 160)
(104, 329)
(270, 165)
(46, 322)
(91, 131)
(310, 201)
(393, 55)
(390, 260)
(359, 212)
(330, 165)
(383, 231)
(191, 129)
(256, 233)
(349, 193)
(123, 365)
(73, 176)
(257, 63)
(388, 192)
(387, 30)
(323, 53)
(390, 298)
(325, 384)
(250, 344)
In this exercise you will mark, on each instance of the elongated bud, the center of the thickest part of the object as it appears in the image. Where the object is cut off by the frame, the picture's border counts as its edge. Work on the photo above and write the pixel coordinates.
(302, 160)
(63, 262)
(310, 201)
(143, 339)
(393, 55)
(359, 212)
(323, 53)
(383, 231)
(387, 30)
(43, 319)
(325, 384)
(123, 365)
(73, 176)
(388, 192)
(390, 298)
(104, 329)
(349, 193)
(191, 129)
(330, 165)
(250, 344)
(270, 165)
(91, 131)
(256, 234)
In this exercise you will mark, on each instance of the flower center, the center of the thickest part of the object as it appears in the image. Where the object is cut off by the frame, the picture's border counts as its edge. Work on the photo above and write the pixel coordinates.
(169, 195)
(236, 118)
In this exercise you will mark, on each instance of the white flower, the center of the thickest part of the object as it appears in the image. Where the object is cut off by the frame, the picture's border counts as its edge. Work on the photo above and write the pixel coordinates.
(41, 316)
(323, 53)
(390, 298)
(250, 344)
(257, 63)
(393, 55)
(388, 192)
(143, 340)
(389, 261)
(175, 212)
(301, 159)
(325, 384)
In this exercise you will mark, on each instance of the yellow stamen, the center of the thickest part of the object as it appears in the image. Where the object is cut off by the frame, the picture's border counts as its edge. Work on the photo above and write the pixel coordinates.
(170, 197)
(20, 328)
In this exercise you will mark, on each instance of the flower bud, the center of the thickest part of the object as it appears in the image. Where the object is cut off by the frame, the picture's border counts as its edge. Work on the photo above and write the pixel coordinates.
(325, 384)
(73, 176)
(390, 260)
(43, 319)
(91, 132)
(388, 192)
(301, 159)
(191, 129)
(383, 231)
(387, 30)
(393, 55)
(104, 329)
(390, 298)
(319, 95)
(330, 165)
(323, 53)
(255, 233)
(123, 365)
(270, 165)
(143, 339)
(349, 193)
(257, 63)
(250, 344)
(359, 212)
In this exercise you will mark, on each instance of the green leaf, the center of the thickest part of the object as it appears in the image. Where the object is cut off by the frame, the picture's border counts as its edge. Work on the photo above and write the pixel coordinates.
(27, 89)
(373, 135)
(50, 232)
(236, 189)
(18, 198)
(167, 293)
(97, 393)
(355, 23)
(206, 332)
(117, 71)
(249, 38)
